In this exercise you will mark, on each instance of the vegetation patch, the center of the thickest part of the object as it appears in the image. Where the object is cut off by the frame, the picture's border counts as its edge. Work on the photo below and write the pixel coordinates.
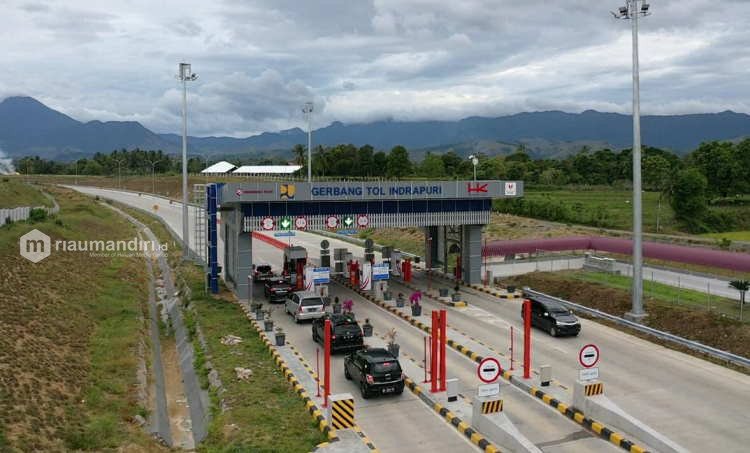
(14, 192)
(264, 413)
(708, 328)
(62, 386)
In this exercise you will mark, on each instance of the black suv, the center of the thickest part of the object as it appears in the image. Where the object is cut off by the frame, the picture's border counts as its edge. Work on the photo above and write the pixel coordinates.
(276, 289)
(346, 334)
(376, 371)
(553, 317)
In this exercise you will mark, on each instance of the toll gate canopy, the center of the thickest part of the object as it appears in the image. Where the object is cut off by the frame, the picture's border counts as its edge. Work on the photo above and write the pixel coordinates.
(465, 206)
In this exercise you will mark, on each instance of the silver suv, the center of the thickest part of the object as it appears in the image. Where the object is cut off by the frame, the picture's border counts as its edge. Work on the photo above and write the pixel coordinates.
(304, 305)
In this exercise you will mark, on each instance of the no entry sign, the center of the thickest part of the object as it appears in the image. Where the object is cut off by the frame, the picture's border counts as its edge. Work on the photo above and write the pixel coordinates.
(588, 356)
(489, 370)
(267, 223)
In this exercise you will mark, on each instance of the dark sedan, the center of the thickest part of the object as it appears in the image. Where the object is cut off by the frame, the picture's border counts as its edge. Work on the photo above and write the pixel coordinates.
(276, 289)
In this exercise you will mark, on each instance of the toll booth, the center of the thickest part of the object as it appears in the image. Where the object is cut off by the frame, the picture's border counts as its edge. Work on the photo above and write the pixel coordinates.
(295, 259)
(452, 213)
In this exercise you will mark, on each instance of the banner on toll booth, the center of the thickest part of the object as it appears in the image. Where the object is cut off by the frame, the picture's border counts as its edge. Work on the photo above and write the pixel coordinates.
(365, 276)
(381, 271)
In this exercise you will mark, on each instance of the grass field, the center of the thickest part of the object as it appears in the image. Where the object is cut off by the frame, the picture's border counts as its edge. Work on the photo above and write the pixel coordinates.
(14, 193)
(264, 413)
(617, 203)
(62, 387)
(731, 235)
(667, 294)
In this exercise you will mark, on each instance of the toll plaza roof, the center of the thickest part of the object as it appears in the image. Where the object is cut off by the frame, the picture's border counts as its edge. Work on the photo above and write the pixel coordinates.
(368, 190)
(219, 167)
(266, 169)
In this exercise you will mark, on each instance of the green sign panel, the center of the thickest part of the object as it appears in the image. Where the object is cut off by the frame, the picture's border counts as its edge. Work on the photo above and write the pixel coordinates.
(285, 223)
(348, 221)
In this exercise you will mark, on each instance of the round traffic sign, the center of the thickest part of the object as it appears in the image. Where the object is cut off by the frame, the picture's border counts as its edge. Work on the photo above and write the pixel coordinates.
(300, 223)
(363, 221)
(267, 223)
(588, 356)
(369, 243)
(332, 221)
(324, 244)
(489, 370)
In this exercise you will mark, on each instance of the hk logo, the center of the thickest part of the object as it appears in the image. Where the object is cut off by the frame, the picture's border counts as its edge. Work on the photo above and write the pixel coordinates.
(287, 191)
(35, 246)
(477, 188)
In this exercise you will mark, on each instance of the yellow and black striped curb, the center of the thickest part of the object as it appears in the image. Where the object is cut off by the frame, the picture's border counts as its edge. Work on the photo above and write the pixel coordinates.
(462, 427)
(515, 295)
(594, 389)
(298, 388)
(342, 413)
(491, 407)
(564, 409)
(438, 300)
(365, 439)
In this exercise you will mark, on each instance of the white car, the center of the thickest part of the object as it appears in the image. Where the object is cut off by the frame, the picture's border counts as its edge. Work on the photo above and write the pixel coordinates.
(304, 305)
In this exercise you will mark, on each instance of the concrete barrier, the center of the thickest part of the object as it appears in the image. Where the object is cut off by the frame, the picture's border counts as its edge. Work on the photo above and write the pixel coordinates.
(489, 419)
(588, 397)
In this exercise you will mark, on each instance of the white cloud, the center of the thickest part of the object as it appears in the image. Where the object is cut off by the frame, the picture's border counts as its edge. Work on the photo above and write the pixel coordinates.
(259, 60)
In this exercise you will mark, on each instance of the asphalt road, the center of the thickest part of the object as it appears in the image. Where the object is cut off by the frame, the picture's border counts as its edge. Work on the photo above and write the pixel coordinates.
(698, 404)
(381, 418)
(702, 406)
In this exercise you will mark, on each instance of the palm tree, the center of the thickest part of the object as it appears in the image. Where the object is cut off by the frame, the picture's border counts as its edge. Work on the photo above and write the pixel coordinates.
(742, 286)
(299, 154)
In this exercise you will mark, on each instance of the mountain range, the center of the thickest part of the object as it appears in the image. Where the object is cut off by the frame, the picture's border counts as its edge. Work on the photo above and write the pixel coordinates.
(28, 127)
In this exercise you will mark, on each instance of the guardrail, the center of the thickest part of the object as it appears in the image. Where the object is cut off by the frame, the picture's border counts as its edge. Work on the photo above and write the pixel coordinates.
(694, 345)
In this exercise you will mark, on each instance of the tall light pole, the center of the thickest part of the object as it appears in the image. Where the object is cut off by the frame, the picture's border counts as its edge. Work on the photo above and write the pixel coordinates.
(153, 174)
(474, 161)
(184, 76)
(119, 174)
(632, 10)
(307, 109)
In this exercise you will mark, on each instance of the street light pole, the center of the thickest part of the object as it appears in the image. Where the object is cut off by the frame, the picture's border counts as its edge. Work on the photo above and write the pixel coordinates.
(153, 174)
(184, 76)
(307, 110)
(631, 11)
(119, 174)
(474, 162)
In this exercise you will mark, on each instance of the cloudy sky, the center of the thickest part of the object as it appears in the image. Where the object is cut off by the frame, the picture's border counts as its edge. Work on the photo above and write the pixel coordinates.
(364, 60)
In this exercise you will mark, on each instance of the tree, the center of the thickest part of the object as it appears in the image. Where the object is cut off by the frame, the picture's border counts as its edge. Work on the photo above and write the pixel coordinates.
(379, 164)
(716, 161)
(432, 166)
(399, 164)
(689, 195)
(657, 176)
(300, 152)
(552, 177)
(743, 286)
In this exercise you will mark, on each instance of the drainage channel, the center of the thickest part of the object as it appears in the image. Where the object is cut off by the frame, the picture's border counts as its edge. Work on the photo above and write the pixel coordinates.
(180, 407)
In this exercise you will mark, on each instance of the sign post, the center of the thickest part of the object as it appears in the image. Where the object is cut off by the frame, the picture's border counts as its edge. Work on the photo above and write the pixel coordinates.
(327, 363)
(489, 370)
(527, 339)
(588, 357)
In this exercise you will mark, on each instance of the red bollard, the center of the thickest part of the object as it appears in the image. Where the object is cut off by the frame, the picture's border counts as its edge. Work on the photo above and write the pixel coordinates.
(443, 328)
(458, 268)
(327, 363)
(526, 339)
(434, 359)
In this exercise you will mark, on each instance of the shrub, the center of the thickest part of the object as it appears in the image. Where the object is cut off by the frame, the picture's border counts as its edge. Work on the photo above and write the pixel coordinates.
(37, 215)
